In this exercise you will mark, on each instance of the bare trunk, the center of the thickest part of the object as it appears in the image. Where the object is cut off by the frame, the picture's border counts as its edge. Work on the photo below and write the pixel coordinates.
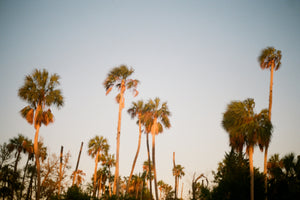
(149, 163)
(75, 172)
(121, 106)
(175, 187)
(60, 166)
(270, 114)
(95, 173)
(153, 161)
(25, 170)
(100, 186)
(181, 191)
(28, 196)
(265, 170)
(37, 161)
(136, 155)
(251, 173)
(271, 90)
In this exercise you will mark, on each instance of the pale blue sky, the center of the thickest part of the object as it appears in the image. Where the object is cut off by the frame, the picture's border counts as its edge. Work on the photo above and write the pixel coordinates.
(196, 55)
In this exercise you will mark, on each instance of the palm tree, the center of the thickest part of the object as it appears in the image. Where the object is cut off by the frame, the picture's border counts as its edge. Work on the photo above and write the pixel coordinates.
(39, 91)
(16, 144)
(270, 58)
(119, 77)
(97, 145)
(109, 161)
(79, 174)
(28, 146)
(137, 109)
(177, 173)
(157, 116)
(245, 127)
(149, 173)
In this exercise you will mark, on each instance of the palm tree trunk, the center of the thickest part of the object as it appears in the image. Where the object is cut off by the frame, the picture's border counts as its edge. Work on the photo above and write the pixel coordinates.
(15, 169)
(271, 90)
(121, 106)
(60, 166)
(149, 163)
(175, 187)
(77, 163)
(95, 173)
(100, 186)
(136, 155)
(25, 170)
(181, 191)
(37, 160)
(154, 167)
(270, 114)
(251, 172)
(265, 170)
(28, 196)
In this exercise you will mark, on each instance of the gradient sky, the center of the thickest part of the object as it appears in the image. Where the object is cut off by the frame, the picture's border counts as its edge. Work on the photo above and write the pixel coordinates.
(196, 55)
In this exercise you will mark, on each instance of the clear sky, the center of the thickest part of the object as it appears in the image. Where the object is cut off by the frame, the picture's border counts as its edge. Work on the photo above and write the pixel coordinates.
(196, 55)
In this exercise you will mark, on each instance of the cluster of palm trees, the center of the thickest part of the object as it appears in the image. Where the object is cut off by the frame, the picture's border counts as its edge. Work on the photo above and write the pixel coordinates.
(153, 116)
(247, 128)
(40, 92)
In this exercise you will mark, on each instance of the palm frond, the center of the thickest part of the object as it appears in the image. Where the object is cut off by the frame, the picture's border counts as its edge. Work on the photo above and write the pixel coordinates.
(27, 113)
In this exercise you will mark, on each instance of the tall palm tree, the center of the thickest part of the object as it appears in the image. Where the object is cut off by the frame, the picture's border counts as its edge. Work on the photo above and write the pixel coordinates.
(245, 127)
(39, 91)
(177, 173)
(96, 146)
(157, 116)
(270, 58)
(136, 109)
(119, 77)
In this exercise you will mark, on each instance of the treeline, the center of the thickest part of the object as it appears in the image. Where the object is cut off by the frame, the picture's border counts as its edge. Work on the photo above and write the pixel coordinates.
(231, 179)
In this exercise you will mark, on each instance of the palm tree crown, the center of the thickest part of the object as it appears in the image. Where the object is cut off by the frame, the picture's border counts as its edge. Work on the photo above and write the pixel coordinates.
(39, 92)
(118, 77)
(244, 126)
(269, 55)
(157, 116)
(97, 144)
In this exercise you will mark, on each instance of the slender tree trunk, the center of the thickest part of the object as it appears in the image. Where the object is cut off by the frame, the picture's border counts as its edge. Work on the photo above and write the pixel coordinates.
(95, 173)
(265, 170)
(121, 106)
(136, 155)
(100, 186)
(153, 161)
(251, 172)
(60, 166)
(75, 172)
(149, 163)
(37, 160)
(175, 187)
(15, 169)
(109, 184)
(28, 196)
(271, 91)
(25, 170)
(270, 114)
(181, 191)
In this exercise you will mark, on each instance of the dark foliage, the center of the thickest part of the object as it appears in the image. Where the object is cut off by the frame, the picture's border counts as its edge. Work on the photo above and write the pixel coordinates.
(233, 179)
